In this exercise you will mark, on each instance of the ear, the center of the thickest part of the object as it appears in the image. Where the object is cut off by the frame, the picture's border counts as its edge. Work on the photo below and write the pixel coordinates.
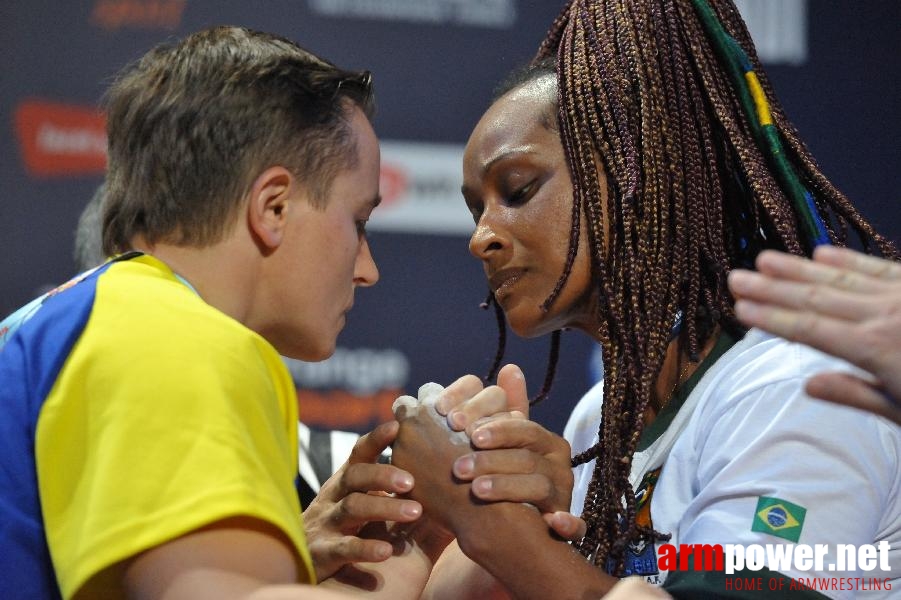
(267, 209)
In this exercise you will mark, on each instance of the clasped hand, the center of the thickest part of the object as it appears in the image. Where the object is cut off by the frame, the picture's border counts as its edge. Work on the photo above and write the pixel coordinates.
(510, 458)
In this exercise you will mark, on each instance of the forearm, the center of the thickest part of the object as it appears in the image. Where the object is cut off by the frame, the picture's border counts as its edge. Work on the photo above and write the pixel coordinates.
(297, 592)
(521, 553)
(456, 577)
(403, 576)
(417, 546)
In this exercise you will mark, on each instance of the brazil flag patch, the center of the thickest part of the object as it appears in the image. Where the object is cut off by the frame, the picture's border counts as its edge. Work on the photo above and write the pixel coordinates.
(778, 517)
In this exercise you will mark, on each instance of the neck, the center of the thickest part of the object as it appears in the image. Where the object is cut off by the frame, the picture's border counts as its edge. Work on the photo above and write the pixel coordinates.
(676, 370)
(222, 274)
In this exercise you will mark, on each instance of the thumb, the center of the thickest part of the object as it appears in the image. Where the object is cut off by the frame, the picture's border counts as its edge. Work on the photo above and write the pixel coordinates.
(513, 382)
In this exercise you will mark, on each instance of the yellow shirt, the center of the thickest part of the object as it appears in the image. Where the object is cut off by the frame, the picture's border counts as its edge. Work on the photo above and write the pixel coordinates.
(167, 416)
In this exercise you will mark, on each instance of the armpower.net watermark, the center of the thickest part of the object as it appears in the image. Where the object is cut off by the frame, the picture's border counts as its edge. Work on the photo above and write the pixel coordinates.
(858, 568)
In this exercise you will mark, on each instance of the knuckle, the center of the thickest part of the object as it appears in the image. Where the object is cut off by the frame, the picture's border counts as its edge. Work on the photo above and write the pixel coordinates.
(360, 446)
(356, 504)
(846, 280)
(547, 489)
(496, 395)
(351, 546)
(345, 476)
(335, 549)
(342, 511)
(342, 548)
(793, 326)
(561, 446)
(531, 460)
(812, 296)
(566, 478)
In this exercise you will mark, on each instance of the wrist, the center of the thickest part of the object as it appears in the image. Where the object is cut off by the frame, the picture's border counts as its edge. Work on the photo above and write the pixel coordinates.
(509, 519)
(519, 528)
(424, 533)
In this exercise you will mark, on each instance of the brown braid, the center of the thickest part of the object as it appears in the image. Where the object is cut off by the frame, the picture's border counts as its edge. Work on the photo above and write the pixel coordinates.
(689, 196)
(501, 336)
(553, 354)
(553, 357)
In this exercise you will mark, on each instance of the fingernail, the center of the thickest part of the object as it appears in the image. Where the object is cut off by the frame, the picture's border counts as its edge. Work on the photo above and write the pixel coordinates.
(464, 466)
(382, 552)
(481, 437)
(514, 371)
(456, 420)
(403, 482)
(411, 510)
(482, 486)
(738, 280)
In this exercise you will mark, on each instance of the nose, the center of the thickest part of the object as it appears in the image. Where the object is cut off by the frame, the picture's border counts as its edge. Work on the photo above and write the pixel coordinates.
(366, 273)
(487, 239)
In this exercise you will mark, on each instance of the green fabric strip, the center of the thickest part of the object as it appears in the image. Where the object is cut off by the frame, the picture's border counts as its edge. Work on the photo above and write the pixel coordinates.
(660, 424)
(737, 64)
(743, 584)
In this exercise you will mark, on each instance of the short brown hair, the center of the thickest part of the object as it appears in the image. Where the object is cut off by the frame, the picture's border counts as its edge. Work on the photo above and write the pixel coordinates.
(191, 125)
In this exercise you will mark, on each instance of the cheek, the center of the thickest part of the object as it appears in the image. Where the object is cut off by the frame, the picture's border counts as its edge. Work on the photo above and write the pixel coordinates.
(342, 246)
(580, 287)
(580, 277)
(552, 224)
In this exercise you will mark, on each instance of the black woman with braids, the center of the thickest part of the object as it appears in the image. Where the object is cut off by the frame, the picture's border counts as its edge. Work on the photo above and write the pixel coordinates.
(615, 185)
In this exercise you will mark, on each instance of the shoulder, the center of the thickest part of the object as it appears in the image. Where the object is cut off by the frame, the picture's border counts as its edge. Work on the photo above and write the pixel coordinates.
(762, 367)
(148, 333)
(141, 305)
(754, 397)
(761, 359)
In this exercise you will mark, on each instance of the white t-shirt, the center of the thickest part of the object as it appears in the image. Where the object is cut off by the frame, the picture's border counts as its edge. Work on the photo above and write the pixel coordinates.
(748, 432)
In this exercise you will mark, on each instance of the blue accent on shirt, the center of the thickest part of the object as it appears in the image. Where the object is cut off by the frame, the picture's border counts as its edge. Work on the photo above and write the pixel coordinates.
(35, 349)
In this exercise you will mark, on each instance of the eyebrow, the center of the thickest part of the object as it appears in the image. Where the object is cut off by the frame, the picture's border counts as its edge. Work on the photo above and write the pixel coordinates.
(505, 155)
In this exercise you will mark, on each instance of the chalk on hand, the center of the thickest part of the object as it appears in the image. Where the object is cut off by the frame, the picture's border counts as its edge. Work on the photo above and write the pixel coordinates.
(427, 396)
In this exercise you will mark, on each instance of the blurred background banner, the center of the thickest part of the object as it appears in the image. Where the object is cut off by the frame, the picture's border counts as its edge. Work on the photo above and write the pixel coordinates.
(835, 66)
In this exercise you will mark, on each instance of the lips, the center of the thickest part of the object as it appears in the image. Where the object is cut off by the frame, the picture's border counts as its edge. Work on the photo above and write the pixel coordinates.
(503, 280)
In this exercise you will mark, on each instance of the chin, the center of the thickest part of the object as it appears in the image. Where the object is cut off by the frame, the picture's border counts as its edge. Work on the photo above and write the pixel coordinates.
(530, 321)
(533, 332)
(307, 352)
(319, 353)
(527, 325)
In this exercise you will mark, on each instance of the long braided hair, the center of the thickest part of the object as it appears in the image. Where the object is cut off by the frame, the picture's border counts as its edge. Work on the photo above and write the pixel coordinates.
(644, 93)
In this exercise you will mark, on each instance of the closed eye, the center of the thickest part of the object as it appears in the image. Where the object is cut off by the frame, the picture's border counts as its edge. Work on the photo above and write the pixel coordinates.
(522, 194)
